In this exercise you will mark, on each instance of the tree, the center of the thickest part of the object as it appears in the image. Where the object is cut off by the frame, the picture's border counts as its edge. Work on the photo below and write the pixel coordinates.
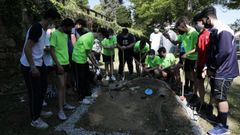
(236, 25)
(232, 4)
(123, 16)
(146, 13)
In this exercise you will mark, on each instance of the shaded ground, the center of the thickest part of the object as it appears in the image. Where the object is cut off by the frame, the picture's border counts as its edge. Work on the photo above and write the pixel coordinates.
(131, 111)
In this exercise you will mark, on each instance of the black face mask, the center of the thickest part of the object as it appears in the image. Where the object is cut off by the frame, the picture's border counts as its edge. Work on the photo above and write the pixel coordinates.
(206, 25)
(181, 32)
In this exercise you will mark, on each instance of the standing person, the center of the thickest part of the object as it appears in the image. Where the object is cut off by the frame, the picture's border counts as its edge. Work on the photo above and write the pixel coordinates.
(125, 45)
(59, 53)
(202, 46)
(33, 68)
(222, 66)
(78, 30)
(97, 50)
(140, 50)
(169, 46)
(155, 39)
(189, 37)
(108, 44)
(81, 53)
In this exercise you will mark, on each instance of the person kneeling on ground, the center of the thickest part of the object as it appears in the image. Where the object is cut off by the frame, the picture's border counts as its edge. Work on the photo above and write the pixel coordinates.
(140, 50)
(151, 65)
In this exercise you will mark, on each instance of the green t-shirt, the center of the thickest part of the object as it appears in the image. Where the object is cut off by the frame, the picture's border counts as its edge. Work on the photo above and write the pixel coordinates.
(189, 41)
(168, 60)
(59, 41)
(137, 49)
(107, 43)
(152, 62)
(82, 47)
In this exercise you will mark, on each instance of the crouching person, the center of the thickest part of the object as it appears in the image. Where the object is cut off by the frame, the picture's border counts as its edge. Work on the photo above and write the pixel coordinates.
(151, 65)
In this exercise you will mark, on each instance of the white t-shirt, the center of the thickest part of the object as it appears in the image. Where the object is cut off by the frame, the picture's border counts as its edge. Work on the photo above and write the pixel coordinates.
(155, 41)
(170, 47)
(47, 58)
(96, 46)
(37, 49)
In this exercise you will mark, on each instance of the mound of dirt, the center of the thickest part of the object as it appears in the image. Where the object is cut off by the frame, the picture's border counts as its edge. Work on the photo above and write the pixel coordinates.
(129, 110)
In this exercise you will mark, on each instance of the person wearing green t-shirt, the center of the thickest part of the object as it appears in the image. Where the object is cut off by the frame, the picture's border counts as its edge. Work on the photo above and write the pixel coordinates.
(108, 44)
(189, 37)
(152, 64)
(140, 50)
(59, 53)
(82, 51)
(168, 65)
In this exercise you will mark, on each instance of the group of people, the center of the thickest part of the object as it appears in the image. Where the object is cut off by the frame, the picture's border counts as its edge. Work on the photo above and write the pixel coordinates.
(67, 48)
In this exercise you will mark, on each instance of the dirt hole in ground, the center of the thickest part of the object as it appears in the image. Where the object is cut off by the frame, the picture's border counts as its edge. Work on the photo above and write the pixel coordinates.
(129, 110)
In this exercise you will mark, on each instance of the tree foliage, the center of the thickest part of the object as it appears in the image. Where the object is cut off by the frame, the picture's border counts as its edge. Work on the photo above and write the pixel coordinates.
(232, 4)
(123, 16)
(158, 11)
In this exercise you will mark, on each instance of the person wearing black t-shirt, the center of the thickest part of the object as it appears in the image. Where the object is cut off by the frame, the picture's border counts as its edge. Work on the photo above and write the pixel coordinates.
(125, 42)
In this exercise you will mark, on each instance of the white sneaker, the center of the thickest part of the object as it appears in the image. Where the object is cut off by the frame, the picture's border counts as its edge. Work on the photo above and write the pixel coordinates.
(61, 115)
(86, 101)
(44, 104)
(46, 114)
(68, 107)
(107, 78)
(39, 123)
(95, 94)
(113, 78)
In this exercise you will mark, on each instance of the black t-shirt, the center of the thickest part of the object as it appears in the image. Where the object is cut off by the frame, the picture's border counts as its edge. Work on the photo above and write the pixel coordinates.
(125, 41)
(35, 32)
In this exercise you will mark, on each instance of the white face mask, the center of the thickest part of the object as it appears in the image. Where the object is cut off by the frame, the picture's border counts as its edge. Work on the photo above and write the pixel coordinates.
(156, 29)
(110, 36)
(151, 56)
(167, 28)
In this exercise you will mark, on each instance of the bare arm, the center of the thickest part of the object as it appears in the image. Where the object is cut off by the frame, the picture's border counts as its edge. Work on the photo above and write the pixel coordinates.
(54, 57)
(28, 52)
(166, 35)
(73, 39)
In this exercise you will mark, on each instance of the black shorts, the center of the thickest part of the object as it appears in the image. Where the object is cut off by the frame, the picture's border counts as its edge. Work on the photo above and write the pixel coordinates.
(137, 57)
(180, 57)
(50, 69)
(97, 56)
(199, 72)
(189, 65)
(108, 58)
(220, 88)
(65, 67)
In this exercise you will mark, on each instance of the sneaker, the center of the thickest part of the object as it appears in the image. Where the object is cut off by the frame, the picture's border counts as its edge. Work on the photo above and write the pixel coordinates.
(94, 95)
(113, 78)
(107, 78)
(44, 104)
(61, 115)
(46, 114)
(39, 123)
(86, 101)
(219, 130)
(68, 107)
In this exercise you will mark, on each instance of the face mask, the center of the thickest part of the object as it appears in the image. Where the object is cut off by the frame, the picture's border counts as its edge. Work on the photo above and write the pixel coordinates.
(207, 25)
(181, 32)
(151, 56)
(167, 28)
(156, 30)
(110, 36)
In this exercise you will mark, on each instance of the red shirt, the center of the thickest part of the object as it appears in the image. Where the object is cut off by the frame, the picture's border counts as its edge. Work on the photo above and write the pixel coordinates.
(203, 44)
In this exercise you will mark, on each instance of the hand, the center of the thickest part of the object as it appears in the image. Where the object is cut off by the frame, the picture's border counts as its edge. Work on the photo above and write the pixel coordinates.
(60, 69)
(204, 73)
(35, 72)
(184, 56)
(164, 74)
